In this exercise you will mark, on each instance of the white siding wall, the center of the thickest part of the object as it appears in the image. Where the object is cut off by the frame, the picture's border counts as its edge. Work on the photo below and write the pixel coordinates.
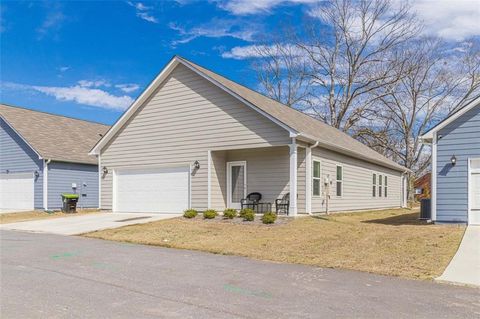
(357, 183)
(185, 118)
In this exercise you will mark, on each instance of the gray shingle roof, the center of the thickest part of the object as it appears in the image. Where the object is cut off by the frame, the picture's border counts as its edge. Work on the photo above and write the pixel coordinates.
(55, 137)
(301, 122)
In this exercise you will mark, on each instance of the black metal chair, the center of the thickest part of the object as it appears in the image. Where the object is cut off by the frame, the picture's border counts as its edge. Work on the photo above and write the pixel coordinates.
(251, 201)
(283, 204)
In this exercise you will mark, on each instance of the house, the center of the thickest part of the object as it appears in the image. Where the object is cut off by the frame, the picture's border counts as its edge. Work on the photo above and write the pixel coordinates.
(194, 139)
(456, 166)
(43, 155)
(422, 186)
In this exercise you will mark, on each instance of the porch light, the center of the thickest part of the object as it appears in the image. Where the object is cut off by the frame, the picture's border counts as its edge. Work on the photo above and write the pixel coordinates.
(104, 170)
(453, 160)
(36, 174)
(196, 165)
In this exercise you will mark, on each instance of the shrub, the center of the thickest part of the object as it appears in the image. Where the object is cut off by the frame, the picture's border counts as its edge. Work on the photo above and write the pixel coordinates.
(230, 213)
(245, 211)
(190, 213)
(248, 215)
(210, 214)
(269, 218)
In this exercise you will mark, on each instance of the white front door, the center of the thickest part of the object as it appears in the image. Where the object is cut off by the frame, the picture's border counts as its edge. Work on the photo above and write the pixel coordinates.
(474, 192)
(17, 191)
(236, 183)
(151, 190)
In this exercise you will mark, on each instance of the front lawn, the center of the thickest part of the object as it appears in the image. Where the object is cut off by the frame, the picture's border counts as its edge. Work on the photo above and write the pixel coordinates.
(39, 214)
(390, 242)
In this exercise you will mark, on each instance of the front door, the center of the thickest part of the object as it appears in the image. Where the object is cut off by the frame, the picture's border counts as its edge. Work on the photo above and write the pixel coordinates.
(474, 192)
(236, 183)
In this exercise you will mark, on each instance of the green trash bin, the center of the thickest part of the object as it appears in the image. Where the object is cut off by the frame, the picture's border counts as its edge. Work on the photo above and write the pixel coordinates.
(69, 203)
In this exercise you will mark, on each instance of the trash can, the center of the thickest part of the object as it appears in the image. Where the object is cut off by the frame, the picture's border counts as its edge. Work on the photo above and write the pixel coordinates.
(69, 203)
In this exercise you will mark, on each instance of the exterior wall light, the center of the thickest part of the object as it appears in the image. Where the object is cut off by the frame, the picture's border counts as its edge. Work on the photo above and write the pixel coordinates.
(453, 160)
(196, 165)
(104, 170)
(36, 174)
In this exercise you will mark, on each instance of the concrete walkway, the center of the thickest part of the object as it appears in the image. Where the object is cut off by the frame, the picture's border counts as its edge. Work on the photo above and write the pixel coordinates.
(75, 225)
(464, 268)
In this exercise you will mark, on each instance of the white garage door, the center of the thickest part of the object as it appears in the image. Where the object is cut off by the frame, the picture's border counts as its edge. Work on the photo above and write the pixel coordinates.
(16, 191)
(156, 190)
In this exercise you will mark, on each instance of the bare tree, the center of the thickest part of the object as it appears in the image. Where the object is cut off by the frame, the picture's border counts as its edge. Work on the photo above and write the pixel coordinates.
(432, 84)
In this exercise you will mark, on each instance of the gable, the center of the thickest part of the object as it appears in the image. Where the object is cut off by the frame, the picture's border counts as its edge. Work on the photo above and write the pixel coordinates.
(468, 123)
(187, 109)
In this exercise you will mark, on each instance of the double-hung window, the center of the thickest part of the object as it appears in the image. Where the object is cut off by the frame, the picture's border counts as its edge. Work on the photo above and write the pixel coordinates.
(316, 178)
(385, 186)
(379, 185)
(374, 188)
(339, 180)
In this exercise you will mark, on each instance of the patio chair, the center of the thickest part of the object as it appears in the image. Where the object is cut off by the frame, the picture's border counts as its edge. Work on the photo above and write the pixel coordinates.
(251, 201)
(283, 204)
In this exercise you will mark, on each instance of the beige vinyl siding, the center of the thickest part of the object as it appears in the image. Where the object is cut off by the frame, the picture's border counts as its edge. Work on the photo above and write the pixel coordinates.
(357, 183)
(186, 117)
(267, 171)
(218, 180)
(301, 175)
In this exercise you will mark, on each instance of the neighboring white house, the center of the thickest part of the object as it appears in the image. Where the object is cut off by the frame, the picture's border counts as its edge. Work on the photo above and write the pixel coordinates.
(195, 139)
(456, 166)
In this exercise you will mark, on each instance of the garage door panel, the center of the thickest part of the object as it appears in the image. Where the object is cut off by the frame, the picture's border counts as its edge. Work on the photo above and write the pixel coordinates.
(160, 190)
(17, 191)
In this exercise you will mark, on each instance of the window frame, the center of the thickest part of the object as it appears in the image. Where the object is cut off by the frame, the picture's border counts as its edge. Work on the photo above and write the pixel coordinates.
(385, 186)
(319, 178)
(380, 185)
(339, 181)
(374, 185)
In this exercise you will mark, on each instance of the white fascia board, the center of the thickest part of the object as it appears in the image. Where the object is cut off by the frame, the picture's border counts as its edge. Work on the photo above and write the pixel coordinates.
(135, 105)
(20, 135)
(430, 133)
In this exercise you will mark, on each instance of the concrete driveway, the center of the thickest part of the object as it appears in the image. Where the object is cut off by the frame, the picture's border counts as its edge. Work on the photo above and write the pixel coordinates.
(51, 276)
(464, 268)
(74, 225)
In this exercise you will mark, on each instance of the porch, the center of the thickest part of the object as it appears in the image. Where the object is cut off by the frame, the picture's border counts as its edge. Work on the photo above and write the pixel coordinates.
(271, 171)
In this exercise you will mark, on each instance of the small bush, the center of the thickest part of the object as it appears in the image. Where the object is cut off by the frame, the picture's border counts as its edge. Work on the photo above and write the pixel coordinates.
(269, 218)
(190, 213)
(248, 215)
(210, 214)
(245, 211)
(230, 213)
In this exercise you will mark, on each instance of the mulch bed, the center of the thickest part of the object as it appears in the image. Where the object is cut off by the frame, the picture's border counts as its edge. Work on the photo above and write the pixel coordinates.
(281, 220)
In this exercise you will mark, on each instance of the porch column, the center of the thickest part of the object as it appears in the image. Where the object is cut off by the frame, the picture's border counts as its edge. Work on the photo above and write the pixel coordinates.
(293, 178)
(308, 180)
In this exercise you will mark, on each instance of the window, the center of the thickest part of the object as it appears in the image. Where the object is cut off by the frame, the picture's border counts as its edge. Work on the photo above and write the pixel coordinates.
(316, 178)
(339, 180)
(385, 186)
(379, 185)
(374, 189)
(418, 191)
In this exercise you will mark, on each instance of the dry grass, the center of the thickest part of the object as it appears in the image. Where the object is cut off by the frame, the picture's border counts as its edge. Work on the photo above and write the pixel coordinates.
(39, 214)
(390, 242)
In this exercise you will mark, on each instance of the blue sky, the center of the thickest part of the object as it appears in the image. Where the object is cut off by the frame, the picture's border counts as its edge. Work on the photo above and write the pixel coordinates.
(91, 59)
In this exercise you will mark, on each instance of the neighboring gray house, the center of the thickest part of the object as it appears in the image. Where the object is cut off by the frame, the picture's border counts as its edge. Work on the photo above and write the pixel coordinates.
(456, 166)
(43, 155)
(196, 139)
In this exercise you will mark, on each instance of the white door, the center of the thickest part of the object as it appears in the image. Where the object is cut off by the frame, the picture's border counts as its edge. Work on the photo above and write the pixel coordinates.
(236, 183)
(16, 191)
(474, 192)
(153, 190)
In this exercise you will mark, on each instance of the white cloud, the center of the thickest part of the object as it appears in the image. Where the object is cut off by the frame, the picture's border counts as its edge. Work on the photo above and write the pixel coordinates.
(143, 12)
(94, 83)
(52, 22)
(128, 87)
(254, 51)
(449, 19)
(78, 94)
(63, 68)
(217, 28)
(244, 7)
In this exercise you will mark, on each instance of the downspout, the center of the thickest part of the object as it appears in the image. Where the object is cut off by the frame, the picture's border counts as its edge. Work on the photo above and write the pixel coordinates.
(45, 183)
(308, 180)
